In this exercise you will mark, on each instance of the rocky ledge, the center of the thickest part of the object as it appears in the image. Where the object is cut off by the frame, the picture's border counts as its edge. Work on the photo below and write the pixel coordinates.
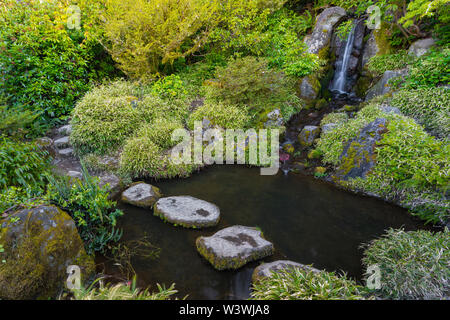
(266, 270)
(233, 247)
(187, 211)
(141, 195)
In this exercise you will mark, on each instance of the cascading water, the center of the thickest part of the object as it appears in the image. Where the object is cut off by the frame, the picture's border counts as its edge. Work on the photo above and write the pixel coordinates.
(340, 76)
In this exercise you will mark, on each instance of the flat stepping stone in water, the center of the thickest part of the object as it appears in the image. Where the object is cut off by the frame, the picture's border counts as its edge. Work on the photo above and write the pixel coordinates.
(266, 270)
(187, 211)
(62, 143)
(141, 195)
(233, 247)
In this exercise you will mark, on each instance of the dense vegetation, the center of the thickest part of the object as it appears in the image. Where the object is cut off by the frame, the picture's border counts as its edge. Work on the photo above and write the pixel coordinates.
(126, 73)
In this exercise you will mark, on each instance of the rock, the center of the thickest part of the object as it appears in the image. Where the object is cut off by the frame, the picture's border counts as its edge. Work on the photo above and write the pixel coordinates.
(377, 44)
(141, 195)
(65, 130)
(40, 243)
(46, 144)
(233, 247)
(420, 47)
(187, 211)
(62, 143)
(308, 135)
(65, 152)
(275, 119)
(358, 156)
(389, 109)
(266, 270)
(382, 87)
(309, 88)
(321, 35)
(370, 49)
(328, 127)
(114, 184)
(75, 174)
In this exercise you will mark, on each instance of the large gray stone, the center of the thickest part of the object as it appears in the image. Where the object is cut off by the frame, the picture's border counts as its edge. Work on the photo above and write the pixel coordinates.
(266, 270)
(420, 47)
(62, 143)
(141, 195)
(40, 243)
(370, 49)
(114, 184)
(321, 35)
(233, 247)
(358, 156)
(187, 211)
(308, 135)
(382, 86)
(309, 88)
(65, 130)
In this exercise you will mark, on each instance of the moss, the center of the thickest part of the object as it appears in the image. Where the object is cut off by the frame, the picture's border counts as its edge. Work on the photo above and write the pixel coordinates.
(38, 248)
(362, 85)
(289, 148)
(382, 40)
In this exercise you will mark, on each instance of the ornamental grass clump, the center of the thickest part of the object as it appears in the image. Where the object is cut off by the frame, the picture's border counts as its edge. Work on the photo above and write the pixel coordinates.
(413, 265)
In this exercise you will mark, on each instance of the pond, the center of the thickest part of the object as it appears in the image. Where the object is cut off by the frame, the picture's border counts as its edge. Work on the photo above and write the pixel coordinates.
(308, 221)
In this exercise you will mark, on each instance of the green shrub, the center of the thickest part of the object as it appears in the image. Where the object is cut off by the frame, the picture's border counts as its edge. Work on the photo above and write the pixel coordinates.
(430, 70)
(429, 106)
(152, 107)
(22, 164)
(219, 114)
(248, 82)
(335, 117)
(101, 124)
(89, 206)
(160, 132)
(299, 284)
(379, 64)
(169, 87)
(15, 123)
(45, 66)
(13, 198)
(122, 291)
(413, 265)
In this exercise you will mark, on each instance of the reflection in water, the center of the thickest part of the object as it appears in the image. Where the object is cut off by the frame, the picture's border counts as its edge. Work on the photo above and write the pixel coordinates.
(308, 221)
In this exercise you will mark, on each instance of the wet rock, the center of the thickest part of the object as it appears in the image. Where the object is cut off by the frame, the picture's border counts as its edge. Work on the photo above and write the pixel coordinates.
(141, 195)
(40, 243)
(321, 35)
(233, 247)
(62, 143)
(67, 152)
(114, 184)
(65, 130)
(187, 211)
(382, 87)
(309, 88)
(308, 135)
(420, 47)
(266, 270)
(358, 156)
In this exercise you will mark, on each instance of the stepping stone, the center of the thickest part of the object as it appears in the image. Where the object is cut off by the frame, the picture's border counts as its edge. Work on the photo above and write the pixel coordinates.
(75, 174)
(62, 143)
(114, 184)
(65, 152)
(233, 247)
(266, 270)
(187, 211)
(65, 130)
(141, 195)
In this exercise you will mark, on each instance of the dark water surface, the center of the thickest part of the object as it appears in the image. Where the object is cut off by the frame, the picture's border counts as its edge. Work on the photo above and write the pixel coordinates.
(308, 221)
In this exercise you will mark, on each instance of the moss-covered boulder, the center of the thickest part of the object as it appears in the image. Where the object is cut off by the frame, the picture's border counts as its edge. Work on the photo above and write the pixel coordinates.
(141, 194)
(376, 44)
(420, 47)
(187, 212)
(383, 86)
(40, 243)
(308, 135)
(358, 156)
(233, 247)
(266, 270)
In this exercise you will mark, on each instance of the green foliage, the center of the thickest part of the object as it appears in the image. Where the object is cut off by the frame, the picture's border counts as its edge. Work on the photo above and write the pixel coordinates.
(344, 29)
(142, 35)
(122, 291)
(15, 123)
(378, 64)
(89, 206)
(419, 9)
(430, 70)
(169, 87)
(249, 83)
(160, 132)
(12, 198)
(22, 164)
(45, 66)
(429, 106)
(413, 265)
(219, 114)
(334, 117)
(299, 284)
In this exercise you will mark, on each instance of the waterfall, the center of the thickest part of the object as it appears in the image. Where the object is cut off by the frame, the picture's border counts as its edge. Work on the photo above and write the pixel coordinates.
(340, 76)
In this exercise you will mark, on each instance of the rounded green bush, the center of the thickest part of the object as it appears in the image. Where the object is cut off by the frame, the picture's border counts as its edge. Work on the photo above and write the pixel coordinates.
(222, 115)
(160, 132)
